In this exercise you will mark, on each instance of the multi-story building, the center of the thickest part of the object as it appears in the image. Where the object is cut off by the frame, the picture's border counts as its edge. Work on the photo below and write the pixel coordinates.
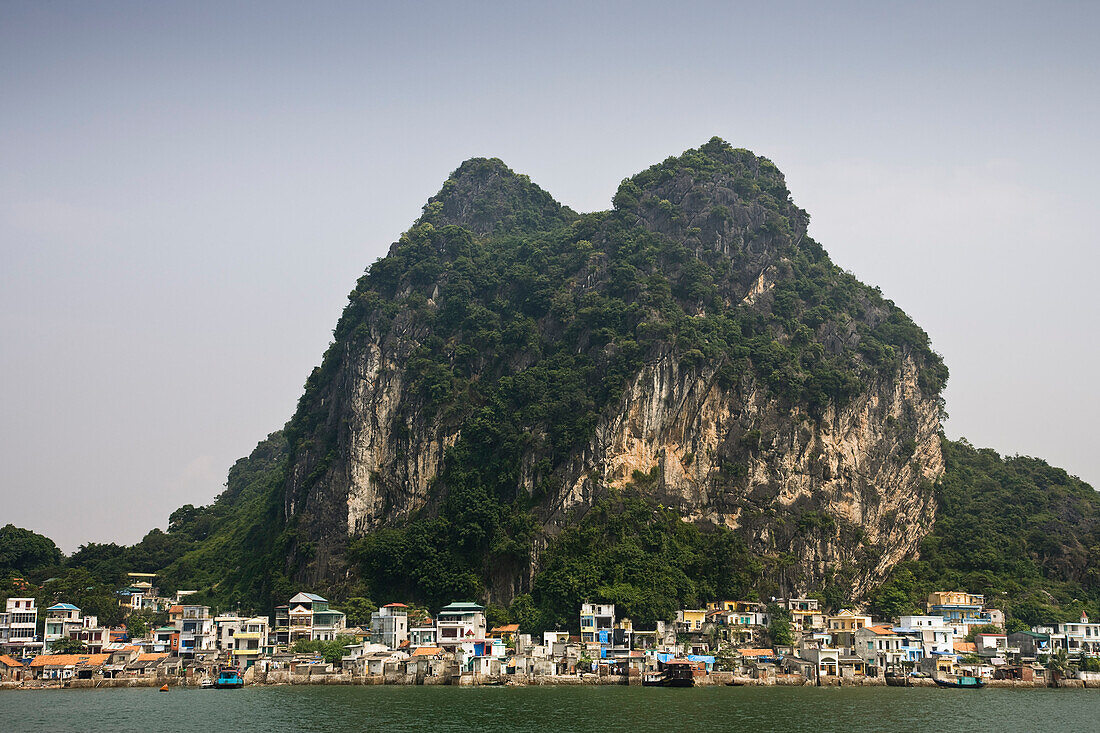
(806, 615)
(597, 622)
(460, 622)
(196, 628)
(61, 620)
(18, 626)
(842, 629)
(250, 640)
(93, 636)
(879, 646)
(226, 627)
(930, 633)
(389, 625)
(423, 636)
(961, 611)
(309, 618)
(1077, 638)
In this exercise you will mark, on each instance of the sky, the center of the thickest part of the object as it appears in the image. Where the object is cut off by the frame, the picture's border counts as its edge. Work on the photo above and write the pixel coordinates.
(189, 191)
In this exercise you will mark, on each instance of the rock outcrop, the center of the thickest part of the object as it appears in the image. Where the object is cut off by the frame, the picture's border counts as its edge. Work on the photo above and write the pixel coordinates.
(767, 391)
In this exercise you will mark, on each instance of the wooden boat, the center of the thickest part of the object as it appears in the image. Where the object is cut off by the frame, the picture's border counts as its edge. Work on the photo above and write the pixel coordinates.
(960, 683)
(898, 680)
(228, 679)
(676, 673)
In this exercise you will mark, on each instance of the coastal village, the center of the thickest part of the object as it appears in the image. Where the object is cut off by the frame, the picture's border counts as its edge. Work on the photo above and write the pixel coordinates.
(727, 642)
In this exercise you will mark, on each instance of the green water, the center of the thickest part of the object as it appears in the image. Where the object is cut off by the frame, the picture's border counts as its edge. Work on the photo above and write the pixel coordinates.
(547, 709)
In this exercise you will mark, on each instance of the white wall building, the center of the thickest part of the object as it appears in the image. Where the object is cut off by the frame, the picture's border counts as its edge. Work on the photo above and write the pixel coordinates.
(17, 628)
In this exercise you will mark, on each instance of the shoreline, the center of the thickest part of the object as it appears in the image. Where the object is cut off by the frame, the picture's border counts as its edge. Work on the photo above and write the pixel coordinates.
(283, 678)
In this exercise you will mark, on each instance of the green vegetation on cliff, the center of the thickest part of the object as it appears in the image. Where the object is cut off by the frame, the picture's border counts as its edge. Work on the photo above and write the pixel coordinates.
(1022, 532)
(528, 329)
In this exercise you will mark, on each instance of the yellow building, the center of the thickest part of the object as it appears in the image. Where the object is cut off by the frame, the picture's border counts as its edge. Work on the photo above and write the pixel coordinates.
(691, 619)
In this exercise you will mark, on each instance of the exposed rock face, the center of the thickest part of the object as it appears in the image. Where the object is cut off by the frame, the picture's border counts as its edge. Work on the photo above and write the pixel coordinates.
(840, 487)
(853, 465)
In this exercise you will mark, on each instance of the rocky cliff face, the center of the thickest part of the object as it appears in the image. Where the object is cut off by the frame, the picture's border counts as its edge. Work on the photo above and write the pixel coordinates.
(731, 372)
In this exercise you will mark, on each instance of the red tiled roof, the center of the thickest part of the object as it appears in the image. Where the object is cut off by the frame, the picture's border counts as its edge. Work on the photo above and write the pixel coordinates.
(151, 657)
(175, 609)
(881, 629)
(62, 660)
(395, 605)
(505, 629)
(426, 651)
(755, 652)
(9, 662)
(966, 647)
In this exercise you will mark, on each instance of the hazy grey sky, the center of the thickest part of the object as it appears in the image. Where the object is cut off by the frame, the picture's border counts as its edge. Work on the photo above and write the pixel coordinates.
(189, 191)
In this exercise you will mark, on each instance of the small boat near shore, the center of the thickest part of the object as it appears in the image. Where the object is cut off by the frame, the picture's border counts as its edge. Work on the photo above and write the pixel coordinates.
(673, 673)
(960, 683)
(898, 680)
(228, 679)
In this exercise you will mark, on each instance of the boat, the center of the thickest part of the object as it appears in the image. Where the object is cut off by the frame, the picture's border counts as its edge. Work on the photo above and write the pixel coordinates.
(228, 679)
(961, 683)
(894, 679)
(207, 683)
(673, 673)
(164, 688)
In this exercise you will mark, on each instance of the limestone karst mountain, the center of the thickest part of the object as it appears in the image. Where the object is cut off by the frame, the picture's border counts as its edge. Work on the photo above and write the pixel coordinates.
(510, 362)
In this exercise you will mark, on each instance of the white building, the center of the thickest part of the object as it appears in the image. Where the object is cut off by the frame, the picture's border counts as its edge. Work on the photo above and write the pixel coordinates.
(17, 628)
(61, 620)
(311, 618)
(935, 636)
(1080, 637)
(226, 627)
(196, 629)
(597, 619)
(879, 646)
(460, 622)
(389, 625)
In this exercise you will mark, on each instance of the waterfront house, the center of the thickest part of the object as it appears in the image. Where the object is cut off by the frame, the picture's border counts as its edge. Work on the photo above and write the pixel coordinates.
(962, 611)
(226, 627)
(842, 628)
(390, 625)
(597, 621)
(690, 620)
(251, 641)
(10, 669)
(165, 639)
(61, 620)
(93, 636)
(993, 647)
(67, 666)
(824, 660)
(196, 629)
(310, 618)
(879, 647)
(17, 628)
(423, 636)
(1030, 643)
(460, 621)
(1078, 638)
(506, 633)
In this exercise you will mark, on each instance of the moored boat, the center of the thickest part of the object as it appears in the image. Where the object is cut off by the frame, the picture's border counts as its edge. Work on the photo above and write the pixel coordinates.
(961, 683)
(228, 679)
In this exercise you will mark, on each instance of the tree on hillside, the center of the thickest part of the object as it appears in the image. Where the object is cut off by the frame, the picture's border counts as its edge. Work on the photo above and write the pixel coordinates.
(24, 551)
